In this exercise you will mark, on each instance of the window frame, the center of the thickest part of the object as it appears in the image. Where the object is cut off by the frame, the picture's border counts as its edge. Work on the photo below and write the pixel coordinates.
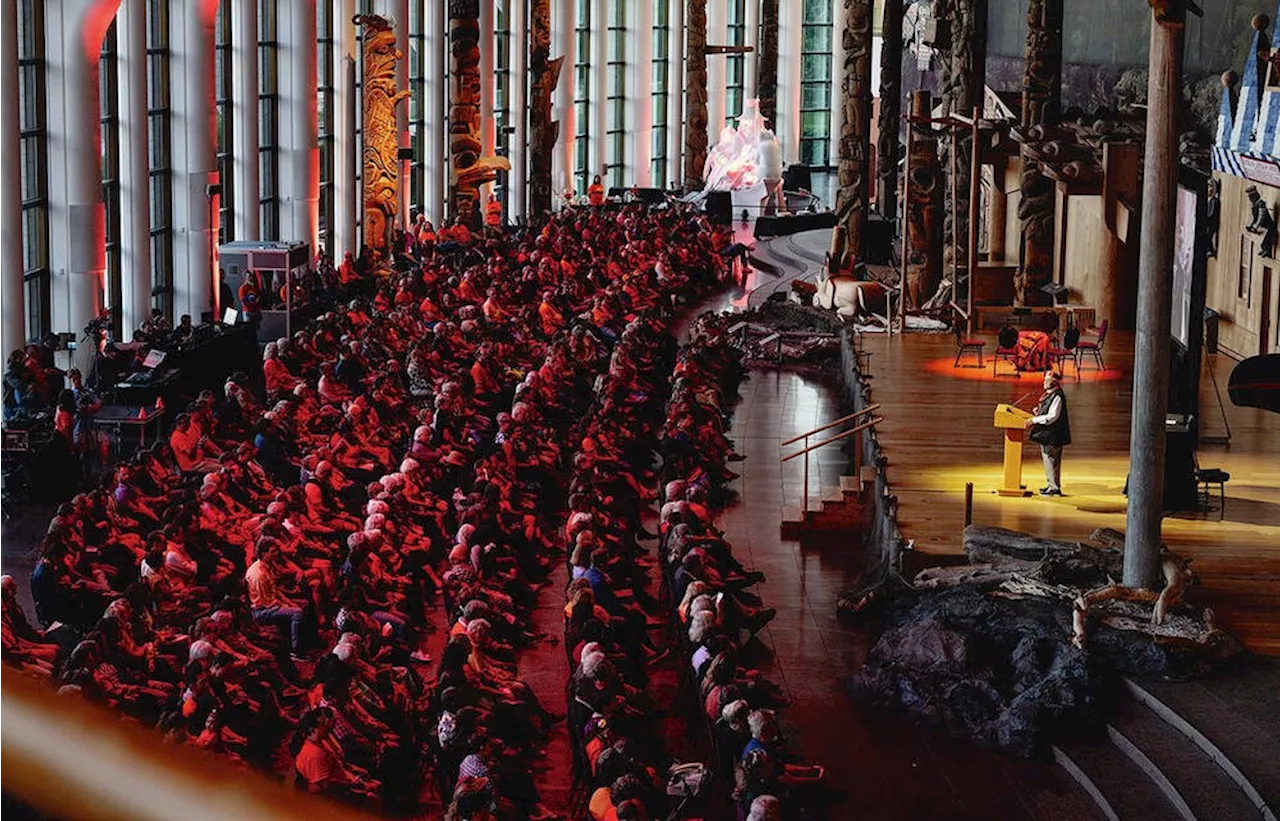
(582, 96)
(34, 161)
(109, 136)
(160, 154)
(820, 140)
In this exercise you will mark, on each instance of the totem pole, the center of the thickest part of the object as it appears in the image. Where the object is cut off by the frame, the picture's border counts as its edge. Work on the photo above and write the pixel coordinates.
(855, 134)
(890, 110)
(378, 125)
(767, 64)
(923, 234)
(543, 132)
(1041, 103)
(469, 169)
(695, 113)
(964, 68)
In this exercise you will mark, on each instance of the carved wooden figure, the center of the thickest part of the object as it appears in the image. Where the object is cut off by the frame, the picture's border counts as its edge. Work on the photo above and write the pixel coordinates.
(469, 169)
(767, 63)
(853, 171)
(381, 146)
(923, 233)
(890, 125)
(964, 68)
(695, 113)
(543, 132)
(1041, 103)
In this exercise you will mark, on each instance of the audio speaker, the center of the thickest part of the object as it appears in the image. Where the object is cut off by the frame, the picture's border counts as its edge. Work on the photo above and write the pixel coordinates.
(720, 207)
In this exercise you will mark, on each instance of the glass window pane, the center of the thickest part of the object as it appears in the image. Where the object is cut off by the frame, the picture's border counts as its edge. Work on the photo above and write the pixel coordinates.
(816, 67)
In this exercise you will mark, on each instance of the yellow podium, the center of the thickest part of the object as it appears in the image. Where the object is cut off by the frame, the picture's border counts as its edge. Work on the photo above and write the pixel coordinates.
(1012, 420)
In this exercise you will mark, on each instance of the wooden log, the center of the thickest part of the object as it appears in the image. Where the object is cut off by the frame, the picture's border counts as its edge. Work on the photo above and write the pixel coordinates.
(996, 545)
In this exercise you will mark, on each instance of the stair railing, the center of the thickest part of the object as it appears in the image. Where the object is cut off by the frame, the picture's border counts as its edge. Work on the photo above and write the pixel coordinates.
(857, 448)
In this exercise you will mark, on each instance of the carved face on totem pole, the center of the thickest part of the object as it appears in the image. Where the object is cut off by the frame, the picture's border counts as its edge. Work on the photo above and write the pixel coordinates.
(381, 142)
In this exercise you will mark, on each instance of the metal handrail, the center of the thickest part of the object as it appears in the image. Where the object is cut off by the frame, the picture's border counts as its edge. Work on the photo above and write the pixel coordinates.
(836, 438)
(829, 425)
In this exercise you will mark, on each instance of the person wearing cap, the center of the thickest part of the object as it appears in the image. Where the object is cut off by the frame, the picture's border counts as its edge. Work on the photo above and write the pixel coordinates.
(1051, 430)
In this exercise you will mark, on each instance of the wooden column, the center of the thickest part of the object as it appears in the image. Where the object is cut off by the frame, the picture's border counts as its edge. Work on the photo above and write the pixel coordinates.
(1116, 291)
(767, 63)
(922, 236)
(542, 131)
(1041, 104)
(964, 70)
(855, 132)
(695, 85)
(890, 120)
(469, 166)
(1155, 266)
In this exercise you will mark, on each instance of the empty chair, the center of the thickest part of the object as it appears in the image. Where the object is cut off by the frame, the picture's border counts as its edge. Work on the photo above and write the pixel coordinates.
(1092, 348)
(1207, 478)
(1006, 349)
(964, 344)
(1066, 351)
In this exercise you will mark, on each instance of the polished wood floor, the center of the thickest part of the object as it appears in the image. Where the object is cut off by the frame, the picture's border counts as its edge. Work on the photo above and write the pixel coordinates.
(938, 435)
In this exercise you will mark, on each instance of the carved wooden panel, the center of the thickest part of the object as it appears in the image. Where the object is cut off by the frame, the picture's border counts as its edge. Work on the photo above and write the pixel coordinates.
(543, 133)
(469, 169)
(695, 83)
(378, 126)
(855, 133)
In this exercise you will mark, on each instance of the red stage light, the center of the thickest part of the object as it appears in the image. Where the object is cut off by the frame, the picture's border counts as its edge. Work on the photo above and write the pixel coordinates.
(1005, 373)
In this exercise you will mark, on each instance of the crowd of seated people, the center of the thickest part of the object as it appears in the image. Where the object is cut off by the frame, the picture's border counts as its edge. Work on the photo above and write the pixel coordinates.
(262, 582)
(716, 615)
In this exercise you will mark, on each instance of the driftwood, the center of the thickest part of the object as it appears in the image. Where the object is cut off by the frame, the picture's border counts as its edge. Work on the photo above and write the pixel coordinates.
(1177, 578)
(933, 578)
(1108, 537)
(991, 545)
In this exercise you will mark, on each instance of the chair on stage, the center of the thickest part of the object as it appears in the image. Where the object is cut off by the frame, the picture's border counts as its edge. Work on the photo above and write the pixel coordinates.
(1206, 478)
(1006, 349)
(1066, 352)
(1093, 348)
(964, 344)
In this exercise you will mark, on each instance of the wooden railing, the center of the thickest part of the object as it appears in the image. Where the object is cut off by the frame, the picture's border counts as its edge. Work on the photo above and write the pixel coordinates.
(857, 449)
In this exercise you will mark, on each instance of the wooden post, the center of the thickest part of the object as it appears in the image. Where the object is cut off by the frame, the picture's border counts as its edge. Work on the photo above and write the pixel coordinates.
(998, 216)
(890, 119)
(695, 123)
(975, 176)
(923, 241)
(767, 64)
(1041, 101)
(804, 498)
(544, 74)
(855, 133)
(968, 503)
(1155, 264)
(962, 85)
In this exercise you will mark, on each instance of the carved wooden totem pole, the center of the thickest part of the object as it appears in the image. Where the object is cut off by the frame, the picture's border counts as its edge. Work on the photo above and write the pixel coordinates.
(853, 171)
(767, 64)
(1041, 103)
(964, 68)
(923, 232)
(469, 169)
(379, 162)
(695, 112)
(890, 125)
(543, 132)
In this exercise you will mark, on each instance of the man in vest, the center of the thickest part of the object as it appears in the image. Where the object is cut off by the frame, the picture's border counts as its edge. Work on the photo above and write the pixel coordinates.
(1051, 430)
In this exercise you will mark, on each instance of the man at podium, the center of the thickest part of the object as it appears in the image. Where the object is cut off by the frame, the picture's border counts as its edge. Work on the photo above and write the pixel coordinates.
(1051, 430)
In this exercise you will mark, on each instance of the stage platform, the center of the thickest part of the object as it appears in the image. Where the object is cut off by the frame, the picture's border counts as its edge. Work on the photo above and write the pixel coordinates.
(938, 435)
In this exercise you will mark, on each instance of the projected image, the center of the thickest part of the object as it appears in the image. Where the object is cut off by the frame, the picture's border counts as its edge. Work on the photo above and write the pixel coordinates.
(1184, 246)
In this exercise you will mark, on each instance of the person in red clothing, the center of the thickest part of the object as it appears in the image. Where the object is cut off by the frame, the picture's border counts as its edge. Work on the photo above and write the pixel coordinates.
(250, 298)
(595, 191)
(319, 762)
(493, 213)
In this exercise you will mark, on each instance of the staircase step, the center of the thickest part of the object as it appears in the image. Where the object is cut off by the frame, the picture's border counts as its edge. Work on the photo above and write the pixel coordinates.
(868, 474)
(1246, 749)
(832, 495)
(1121, 790)
(1191, 780)
(850, 484)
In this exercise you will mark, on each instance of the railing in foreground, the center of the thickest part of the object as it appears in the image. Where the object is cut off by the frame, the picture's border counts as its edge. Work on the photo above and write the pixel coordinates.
(857, 445)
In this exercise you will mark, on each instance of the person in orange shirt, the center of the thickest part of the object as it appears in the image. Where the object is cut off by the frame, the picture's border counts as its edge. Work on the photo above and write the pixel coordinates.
(595, 191)
(493, 213)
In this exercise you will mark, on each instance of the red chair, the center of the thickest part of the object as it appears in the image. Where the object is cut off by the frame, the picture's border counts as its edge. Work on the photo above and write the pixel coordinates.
(1006, 349)
(963, 345)
(1092, 348)
(1065, 352)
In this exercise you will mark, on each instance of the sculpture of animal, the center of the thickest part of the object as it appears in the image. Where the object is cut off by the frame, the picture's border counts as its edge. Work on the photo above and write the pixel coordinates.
(850, 298)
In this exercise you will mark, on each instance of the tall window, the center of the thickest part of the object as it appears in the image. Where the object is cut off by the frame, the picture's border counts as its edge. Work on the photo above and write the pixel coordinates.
(616, 101)
(736, 63)
(582, 97)
(159, 126)
(35, 166)
(222, 100)
(417, 100)
(268, 120)
(109, 113)
(815, 84)
(325, 117)
(502, 93)
(661, 93)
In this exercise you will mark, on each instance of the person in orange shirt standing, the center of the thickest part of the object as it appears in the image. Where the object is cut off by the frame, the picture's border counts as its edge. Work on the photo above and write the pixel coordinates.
(595, 191)
(493, 213)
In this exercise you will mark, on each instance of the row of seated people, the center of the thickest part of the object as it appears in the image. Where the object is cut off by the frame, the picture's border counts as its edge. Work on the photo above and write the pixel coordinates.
(614, 726)
(716, 615)
(266, 575)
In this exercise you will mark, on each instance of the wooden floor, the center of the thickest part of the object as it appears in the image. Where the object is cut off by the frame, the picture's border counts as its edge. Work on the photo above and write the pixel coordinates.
(938, 435)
